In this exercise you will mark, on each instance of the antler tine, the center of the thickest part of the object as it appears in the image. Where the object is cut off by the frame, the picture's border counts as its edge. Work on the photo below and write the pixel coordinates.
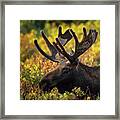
(84, 33)
(59, 31)
(65, 37)
(85, 44)
(76, 40)
(50, 46)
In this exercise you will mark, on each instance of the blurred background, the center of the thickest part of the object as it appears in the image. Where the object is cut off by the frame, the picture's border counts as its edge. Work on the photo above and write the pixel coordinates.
(33, 65)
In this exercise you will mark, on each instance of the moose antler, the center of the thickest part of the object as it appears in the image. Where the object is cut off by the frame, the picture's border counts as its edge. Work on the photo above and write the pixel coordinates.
(85, 44)
(50, 46)
(63, 38)
(80, 48)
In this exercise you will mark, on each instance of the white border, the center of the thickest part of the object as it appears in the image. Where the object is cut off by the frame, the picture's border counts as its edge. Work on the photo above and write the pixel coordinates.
(13, 15)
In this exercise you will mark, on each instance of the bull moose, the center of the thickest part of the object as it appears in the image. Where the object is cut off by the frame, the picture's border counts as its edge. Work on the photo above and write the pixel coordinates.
(70, 73)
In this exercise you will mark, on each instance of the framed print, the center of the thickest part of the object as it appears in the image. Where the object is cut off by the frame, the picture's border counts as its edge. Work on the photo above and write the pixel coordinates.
(59, 59)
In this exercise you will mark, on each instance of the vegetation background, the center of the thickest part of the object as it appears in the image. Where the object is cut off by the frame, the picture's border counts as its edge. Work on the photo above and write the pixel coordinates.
(33, 66)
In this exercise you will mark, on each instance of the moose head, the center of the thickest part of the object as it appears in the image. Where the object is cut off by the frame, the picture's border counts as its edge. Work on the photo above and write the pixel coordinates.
(71, 73)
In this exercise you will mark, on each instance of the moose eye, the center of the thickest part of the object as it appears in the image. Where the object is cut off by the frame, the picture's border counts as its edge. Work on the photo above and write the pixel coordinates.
(66, 70)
